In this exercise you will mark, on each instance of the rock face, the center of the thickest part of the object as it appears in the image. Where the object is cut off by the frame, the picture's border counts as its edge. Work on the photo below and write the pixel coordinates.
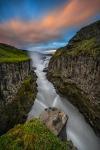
(11, 78)
(54, 119)
(75, 72)
(18, 90)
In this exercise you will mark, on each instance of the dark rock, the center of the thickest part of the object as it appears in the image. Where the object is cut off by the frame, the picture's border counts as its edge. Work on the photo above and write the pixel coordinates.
(45, 70)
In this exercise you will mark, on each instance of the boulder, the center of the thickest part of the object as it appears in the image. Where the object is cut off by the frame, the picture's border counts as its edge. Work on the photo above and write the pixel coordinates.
(54, 119)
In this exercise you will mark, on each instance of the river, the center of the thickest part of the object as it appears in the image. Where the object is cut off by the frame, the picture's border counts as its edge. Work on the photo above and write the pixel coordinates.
(77, 129)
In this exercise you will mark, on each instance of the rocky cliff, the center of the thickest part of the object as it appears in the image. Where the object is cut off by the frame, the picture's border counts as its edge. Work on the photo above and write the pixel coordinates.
(17, 86)
(75, 72)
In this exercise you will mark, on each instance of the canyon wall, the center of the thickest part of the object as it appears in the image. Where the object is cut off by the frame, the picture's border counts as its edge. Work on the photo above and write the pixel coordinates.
(11, 78)
(18, 90)
(75, 72)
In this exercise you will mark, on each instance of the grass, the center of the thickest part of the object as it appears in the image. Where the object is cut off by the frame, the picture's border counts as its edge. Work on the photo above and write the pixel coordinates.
(33, 135)
(12, 54)
(86, 47)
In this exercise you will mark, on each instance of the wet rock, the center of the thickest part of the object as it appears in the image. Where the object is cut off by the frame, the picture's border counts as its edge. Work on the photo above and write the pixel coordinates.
(54, 119)
(45, 69)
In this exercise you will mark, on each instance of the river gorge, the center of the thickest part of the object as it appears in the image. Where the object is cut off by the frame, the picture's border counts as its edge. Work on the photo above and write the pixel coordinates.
(77, 129)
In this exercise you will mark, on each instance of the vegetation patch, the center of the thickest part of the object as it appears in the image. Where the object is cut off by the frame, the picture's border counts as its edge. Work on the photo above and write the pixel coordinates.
(12, 54)
(87, 47)
(32, 135)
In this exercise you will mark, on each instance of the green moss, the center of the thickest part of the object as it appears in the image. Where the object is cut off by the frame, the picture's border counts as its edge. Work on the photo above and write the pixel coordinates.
(89, 47)
(12, 54)
(11, 60)
(26, 89)
(85, 42)
(16, 111)
(59, 52)
(32, 135)
(85, 47)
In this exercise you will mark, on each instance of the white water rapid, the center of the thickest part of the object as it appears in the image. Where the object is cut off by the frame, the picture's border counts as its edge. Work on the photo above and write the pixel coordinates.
(77, 129)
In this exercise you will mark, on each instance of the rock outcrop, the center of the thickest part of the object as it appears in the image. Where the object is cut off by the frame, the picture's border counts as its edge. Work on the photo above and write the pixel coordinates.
(11, 78)
(75, 72)
(54, 119)
(18, 87)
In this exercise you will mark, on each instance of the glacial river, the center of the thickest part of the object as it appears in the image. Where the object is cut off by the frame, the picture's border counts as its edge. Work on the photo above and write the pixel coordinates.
(77, 129)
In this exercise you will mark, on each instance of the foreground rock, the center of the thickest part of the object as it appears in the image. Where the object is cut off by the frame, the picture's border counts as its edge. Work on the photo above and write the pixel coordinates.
(75, 72)
(54, 119)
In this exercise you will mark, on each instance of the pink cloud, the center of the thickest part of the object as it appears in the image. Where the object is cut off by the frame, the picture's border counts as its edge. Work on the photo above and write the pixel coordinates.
(50, 27)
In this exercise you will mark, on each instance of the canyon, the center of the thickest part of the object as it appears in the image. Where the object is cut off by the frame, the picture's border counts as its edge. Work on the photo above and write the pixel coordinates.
(34, 86)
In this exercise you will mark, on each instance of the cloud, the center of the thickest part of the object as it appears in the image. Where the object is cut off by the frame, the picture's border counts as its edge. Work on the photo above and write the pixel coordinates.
(49, 27)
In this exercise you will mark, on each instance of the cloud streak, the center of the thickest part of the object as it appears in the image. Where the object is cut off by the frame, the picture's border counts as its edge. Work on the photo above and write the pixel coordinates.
(49, 27)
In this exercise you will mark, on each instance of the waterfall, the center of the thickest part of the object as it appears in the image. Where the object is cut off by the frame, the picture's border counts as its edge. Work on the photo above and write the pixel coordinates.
(77, 129)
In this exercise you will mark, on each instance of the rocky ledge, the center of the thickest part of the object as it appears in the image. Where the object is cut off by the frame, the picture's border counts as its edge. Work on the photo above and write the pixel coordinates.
(54, 119)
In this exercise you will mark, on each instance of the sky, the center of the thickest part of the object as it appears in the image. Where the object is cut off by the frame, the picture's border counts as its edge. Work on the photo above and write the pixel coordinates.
(44, 24)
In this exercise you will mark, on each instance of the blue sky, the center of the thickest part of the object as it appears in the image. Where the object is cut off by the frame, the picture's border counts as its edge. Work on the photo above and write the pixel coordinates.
(27, 9)
(44, 24)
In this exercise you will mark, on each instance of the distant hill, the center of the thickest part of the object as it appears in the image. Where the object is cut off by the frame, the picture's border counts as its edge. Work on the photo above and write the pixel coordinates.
(11, 54)
(85, 42)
